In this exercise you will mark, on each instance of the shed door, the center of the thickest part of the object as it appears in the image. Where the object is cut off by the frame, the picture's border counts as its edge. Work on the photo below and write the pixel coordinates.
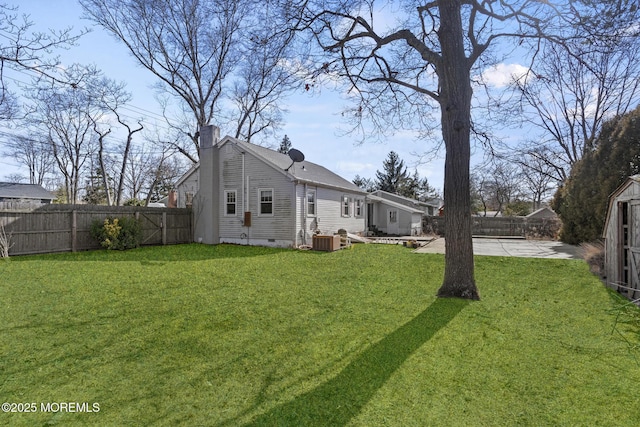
(623, 246)
(634, 250)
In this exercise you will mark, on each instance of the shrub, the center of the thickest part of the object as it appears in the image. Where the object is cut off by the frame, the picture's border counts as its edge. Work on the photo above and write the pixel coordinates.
(593, 254)
(117, 233)
(5, 243)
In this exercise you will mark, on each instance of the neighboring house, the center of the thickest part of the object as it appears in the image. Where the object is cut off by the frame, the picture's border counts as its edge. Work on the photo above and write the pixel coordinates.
(543, 213)
(396, 215)
(622, 239)
(187, 187)
(246, 194)
(25, 194)
(429, 208)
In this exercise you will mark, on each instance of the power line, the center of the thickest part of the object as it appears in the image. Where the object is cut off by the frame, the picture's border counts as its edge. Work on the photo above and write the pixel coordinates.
(148, 115)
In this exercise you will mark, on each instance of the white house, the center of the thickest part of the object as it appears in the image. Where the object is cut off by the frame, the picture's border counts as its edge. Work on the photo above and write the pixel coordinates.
(391, 217)
(395, 214)
(247, 194)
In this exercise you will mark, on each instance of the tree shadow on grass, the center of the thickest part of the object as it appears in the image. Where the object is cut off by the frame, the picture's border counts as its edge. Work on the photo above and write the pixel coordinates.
(337, 401)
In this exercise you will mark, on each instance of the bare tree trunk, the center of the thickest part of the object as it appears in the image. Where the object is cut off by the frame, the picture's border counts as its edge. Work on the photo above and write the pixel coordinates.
(455, 105)
(103, 169)
(125, 158)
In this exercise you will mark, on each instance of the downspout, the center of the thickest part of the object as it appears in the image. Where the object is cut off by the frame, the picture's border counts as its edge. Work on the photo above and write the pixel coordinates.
(305, 211)
(247, 206)
(243, 193)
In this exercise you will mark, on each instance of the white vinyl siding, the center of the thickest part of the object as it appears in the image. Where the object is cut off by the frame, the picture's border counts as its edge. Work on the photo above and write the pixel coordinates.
(328, 218)
(289, 223)
(275, 229)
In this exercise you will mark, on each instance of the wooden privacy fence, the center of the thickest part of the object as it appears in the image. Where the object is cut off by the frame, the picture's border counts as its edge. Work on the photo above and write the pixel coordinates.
(540, 228)
(59, 228)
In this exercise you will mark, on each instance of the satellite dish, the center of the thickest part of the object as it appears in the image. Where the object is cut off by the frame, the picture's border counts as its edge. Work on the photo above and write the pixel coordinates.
(296, 156)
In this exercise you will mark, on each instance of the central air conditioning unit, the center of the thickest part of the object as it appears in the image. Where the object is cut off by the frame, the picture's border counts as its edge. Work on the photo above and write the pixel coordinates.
(326, 243)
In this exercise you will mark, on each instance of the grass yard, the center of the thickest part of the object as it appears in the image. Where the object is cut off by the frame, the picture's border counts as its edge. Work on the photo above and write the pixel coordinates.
(232, 336)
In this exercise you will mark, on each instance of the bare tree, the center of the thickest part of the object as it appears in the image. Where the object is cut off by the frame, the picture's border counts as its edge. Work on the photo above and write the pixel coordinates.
(537, 176)
(187, 45)
(425, 58)
(23, 49)
(35, 154)
(572, 90)
(163, 172)
(423, 61)
(15, 178)
(266, 74)
(63, 117)
(196, 48)
(139, 163)
(111, 96)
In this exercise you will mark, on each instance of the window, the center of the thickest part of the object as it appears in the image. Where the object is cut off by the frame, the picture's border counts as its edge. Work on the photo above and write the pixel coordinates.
(393, 216)
(311, 202)
(230, 201)
(266, 201)
(346, 211)
(189, 199)
(359, 208)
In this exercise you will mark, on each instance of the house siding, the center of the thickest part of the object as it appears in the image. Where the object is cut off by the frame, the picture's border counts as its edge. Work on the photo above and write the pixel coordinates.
(239, 168)
(270, 230)
(409, 223)
(188, 186)
(329, 216)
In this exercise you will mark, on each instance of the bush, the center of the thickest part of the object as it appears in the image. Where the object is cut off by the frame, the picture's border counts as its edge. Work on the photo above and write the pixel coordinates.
(117, 233)
(593, 254)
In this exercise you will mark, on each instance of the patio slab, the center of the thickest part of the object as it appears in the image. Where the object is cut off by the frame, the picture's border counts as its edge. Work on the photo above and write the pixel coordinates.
(512, 248)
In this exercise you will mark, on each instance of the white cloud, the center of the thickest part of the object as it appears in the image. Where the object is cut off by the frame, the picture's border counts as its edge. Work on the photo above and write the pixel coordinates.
(502, 74)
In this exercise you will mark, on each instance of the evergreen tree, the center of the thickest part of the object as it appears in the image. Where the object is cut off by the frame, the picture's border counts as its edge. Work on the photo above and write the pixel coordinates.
(94, 192)
(364, 183)
(285, 145)
(583, 200)
(394, 177)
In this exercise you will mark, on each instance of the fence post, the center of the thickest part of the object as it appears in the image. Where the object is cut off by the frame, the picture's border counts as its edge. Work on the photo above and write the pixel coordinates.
(74, 231)
(163, 225)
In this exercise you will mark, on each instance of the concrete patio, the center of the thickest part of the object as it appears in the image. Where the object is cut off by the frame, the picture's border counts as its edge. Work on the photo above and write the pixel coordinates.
(512, 247)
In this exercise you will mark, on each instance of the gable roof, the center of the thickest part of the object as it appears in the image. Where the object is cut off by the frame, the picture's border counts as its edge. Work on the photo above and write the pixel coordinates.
(405, 200)
(304, 172)
(11, 190)
(633, 179)
(374, 198)
(543, 212)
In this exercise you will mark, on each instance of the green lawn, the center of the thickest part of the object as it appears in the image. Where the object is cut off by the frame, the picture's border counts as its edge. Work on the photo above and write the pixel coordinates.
(223, 336)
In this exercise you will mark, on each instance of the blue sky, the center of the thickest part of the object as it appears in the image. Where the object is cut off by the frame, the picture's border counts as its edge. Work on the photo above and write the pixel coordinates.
(313, 122)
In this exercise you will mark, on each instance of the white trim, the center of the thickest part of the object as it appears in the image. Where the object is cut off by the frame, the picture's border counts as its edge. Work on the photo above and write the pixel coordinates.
(347, 199)
(359, 204)
(315, 202)
(226, 203)
(273, 198)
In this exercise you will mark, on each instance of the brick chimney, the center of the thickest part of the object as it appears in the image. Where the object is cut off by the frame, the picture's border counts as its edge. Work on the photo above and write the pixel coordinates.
(172, 201)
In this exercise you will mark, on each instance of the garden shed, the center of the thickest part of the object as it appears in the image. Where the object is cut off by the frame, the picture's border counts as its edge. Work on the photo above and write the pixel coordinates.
(622, 239)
